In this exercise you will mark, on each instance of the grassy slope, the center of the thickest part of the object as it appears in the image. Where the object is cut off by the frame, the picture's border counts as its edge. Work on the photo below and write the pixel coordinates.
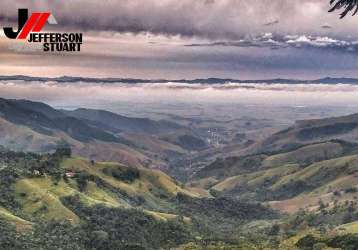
(40, 197)
(20, 223)
(321, 179)
(306, 154)
(148, 178)
(256, 178)
(331, 175)
(324, 170)
(350, 227)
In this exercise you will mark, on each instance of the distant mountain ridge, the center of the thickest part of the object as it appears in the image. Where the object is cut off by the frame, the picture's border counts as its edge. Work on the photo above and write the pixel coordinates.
(121, 123)
(34, 126)
(73, 79)
(42, 118)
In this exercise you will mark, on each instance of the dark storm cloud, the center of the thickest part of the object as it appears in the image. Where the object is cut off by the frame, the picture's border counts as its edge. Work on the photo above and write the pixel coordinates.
(225, 38)
(230, 19)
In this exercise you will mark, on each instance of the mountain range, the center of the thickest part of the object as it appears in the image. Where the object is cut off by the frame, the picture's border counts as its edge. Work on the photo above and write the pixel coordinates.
(97, 134)
(73, 79)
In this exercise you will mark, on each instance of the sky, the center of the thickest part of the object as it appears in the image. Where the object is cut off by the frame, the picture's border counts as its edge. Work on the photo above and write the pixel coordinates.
(186, 39)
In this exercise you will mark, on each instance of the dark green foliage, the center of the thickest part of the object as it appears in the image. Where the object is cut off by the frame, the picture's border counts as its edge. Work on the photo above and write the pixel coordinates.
(221, 217)
(231, 166)
(55, 235)
(325, 217)
(336, 193)
(350, 214)
(351, 190)
(7, 198)
(82, 179)
(307, 242)
(288, 190)
(327, 130)
(223, 207)
(131, 227)
(127, 175)
(346, 242)
(8, 237)
(215, 193)
(274, 230)
(190, 142)
(116, 228)
(44, 236)
(63, 152)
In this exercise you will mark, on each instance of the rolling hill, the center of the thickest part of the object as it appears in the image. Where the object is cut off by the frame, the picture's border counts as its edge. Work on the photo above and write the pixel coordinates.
(311, 131)
(97, 134)
(49, 195)
(118, 123)
(289, 179)
(295, 189)
(43, 119)
(308, 172)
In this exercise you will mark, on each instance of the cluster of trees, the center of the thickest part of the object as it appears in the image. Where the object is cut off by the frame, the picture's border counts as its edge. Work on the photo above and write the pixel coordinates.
(221, 217)
(348, 241)
(126, 175)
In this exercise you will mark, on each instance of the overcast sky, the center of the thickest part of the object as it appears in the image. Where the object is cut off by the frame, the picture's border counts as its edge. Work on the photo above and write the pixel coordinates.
(246, 39)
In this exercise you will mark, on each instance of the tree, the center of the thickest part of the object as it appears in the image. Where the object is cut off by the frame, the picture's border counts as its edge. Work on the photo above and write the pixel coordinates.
(274, 230)
(8, 238)
(63, 151)
(347, 5)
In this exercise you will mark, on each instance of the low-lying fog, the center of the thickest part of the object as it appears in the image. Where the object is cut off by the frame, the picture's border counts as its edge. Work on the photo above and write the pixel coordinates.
(231, 99)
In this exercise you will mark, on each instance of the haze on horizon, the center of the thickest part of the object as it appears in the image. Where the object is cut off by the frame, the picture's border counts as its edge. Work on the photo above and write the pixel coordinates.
(163, 95)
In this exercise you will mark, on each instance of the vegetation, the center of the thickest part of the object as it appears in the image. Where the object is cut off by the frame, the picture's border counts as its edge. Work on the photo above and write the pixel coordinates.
(108, 206)
(347, 5)
(295, 191)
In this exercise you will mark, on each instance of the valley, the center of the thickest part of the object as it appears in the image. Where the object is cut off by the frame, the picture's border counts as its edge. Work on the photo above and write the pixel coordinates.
(175, 182)
(179, 125)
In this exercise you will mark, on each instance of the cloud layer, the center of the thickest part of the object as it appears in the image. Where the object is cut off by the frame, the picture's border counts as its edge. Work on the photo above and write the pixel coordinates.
(177, 39)
(230, 19)
(289, 41)
(105, 95)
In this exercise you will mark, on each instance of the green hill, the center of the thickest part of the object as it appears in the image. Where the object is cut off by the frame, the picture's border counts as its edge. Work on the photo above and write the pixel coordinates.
(289, 180)
(46, 197)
